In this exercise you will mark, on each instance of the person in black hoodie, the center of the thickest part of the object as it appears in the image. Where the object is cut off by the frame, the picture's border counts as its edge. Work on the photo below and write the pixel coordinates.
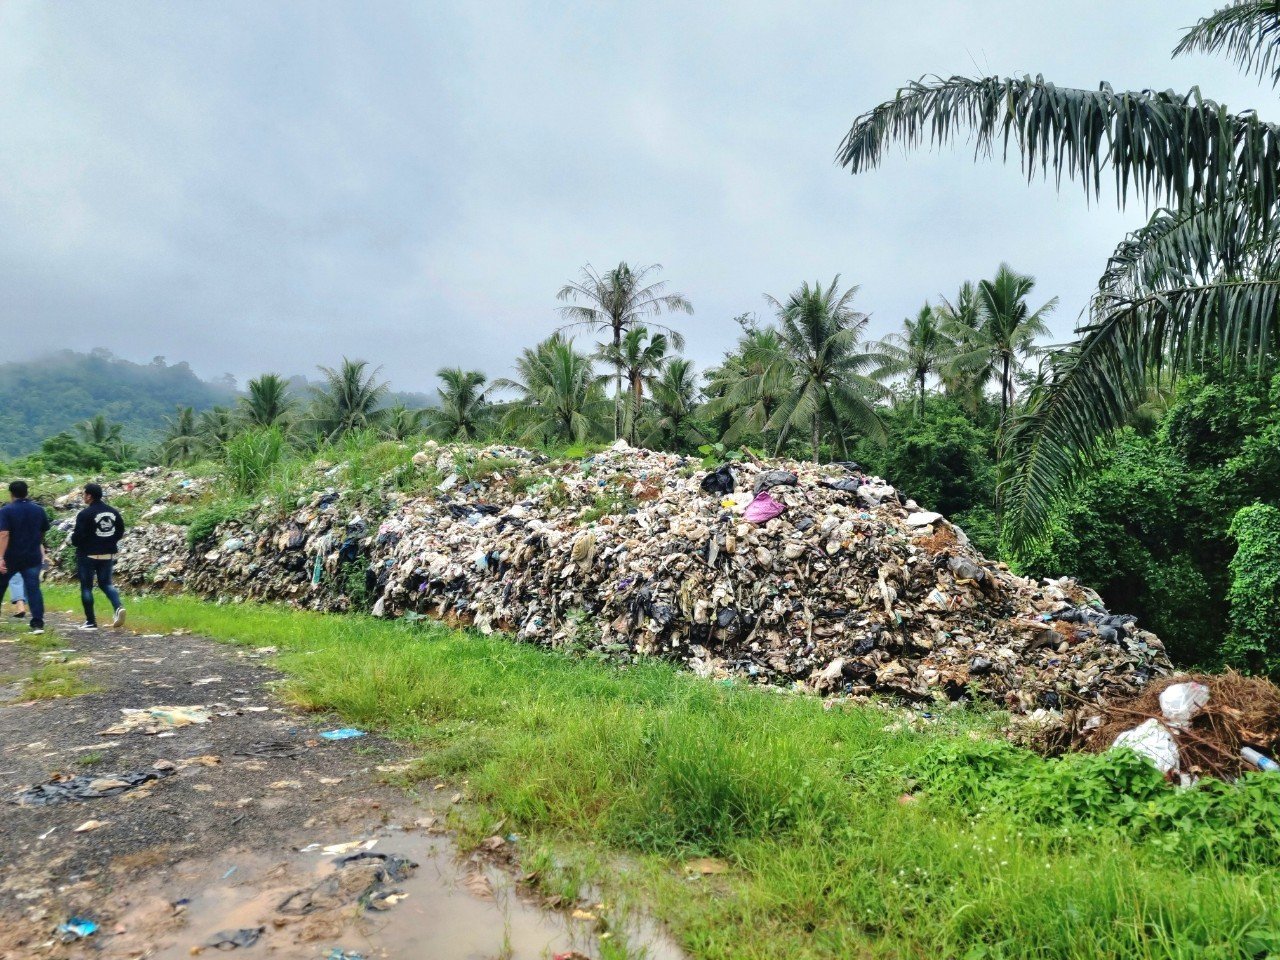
(96, 537)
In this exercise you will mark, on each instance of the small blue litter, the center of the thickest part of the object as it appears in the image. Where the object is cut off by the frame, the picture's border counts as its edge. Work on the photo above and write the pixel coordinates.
(77, 928)
(346, 733)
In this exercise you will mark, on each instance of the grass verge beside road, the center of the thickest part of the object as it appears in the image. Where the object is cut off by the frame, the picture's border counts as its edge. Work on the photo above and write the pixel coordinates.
(637, 770)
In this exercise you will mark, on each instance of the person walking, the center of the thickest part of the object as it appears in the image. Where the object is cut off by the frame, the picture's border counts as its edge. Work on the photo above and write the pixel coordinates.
(96, 537)
(23, 525)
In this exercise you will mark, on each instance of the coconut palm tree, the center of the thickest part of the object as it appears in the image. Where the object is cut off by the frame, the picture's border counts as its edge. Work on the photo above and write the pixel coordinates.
(181, 437)
(675, 402)
(961, 320)
(616, 301)
(1006, 333)
(640, 356)
(401, 423)
(268, 402)
(560, 397)
(214, 428)
(922, 350)
(349, 399)
(747, 389)
(1200, 279)
(99, 431)
(820, 332)
(464, 408)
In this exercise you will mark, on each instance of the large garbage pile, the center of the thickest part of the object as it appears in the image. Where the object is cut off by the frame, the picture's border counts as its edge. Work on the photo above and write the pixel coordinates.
(783, 572)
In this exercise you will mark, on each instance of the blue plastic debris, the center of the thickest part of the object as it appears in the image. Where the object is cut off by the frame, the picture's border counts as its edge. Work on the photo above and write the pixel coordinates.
(77, 928)
(346, 733)
(337, 953)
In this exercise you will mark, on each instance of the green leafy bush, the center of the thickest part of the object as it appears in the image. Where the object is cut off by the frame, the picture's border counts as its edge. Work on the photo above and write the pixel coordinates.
(1254, 595)
(206, 520)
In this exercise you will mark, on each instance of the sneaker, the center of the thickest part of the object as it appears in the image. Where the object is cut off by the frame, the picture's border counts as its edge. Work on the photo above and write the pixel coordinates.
(87, 626)
(36, 630)
(19, 616)
(118, 619)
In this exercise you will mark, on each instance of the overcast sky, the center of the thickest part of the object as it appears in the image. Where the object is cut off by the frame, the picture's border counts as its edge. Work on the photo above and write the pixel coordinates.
(253, 185)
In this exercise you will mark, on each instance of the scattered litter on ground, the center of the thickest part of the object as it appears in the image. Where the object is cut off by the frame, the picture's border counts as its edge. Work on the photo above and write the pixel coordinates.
(63, 788)
(155, 720)
(234, 939)
(363, 878)
(77, 928)
(271, 749)
(346, 733)
(89, 825)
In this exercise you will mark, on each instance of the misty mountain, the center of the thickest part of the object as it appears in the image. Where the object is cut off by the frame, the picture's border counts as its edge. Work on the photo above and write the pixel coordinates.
(39, 398)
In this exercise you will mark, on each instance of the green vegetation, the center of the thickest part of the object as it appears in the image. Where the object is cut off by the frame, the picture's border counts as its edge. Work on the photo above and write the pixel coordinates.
(1255, 588)
(48, 397)
(1194, 288)
(998, 854)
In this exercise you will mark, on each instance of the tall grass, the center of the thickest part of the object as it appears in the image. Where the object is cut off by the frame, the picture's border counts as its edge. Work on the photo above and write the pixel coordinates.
(251, 457)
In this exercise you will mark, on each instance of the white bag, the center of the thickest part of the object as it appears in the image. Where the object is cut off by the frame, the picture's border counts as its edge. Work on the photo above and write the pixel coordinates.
(1182, 701)
(1153, 741)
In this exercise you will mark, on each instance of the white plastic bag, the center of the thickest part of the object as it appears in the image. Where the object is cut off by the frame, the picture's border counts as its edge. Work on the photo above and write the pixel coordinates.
(1153, 741)
(1182, 701)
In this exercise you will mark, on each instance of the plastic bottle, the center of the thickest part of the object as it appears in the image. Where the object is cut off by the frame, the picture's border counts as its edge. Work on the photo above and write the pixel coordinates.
(1260, 760)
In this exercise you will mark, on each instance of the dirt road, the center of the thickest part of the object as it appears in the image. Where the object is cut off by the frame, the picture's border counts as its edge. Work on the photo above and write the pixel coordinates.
(229, 841)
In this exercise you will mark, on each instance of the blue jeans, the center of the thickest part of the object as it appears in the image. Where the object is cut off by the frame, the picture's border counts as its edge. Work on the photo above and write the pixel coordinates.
(31, 582)
(86, 569)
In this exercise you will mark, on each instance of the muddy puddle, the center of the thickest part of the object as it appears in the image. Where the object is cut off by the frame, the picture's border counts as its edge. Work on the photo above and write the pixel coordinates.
(309, 904)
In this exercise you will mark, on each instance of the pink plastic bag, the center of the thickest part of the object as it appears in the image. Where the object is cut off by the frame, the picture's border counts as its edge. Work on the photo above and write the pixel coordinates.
(763, 508)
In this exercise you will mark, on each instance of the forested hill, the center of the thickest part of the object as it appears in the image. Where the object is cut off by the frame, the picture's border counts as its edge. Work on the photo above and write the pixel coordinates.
(39, 398)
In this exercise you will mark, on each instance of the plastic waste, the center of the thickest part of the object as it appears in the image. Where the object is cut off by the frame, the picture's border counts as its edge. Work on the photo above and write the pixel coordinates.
(763, 508)
(345, 733)
(1182, 701)
(1260, 760)
(1152, 740)
(233, 939)
(64, 789)
(77, 928)
(775, 478)
(719, 480)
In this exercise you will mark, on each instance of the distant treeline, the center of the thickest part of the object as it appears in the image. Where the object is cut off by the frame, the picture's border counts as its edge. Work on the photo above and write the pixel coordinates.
(51, 395)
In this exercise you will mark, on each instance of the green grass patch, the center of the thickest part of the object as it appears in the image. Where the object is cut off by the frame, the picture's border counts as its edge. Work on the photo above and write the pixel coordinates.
(51, 681)
(632, 770)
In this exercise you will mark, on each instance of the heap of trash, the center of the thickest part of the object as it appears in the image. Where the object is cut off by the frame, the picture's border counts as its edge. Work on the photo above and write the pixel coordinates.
(779, 572)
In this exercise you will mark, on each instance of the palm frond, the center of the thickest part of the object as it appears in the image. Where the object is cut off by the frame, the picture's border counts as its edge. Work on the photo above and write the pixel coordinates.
(1097, 382)
(1247, 31)
(1167, 147)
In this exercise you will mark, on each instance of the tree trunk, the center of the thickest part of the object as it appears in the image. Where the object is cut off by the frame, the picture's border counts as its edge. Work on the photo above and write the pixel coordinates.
(1004, 388)
(637, 395)
(617, 383)
(817, 430)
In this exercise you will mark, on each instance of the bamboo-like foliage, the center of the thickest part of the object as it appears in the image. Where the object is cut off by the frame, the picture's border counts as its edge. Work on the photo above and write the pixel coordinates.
(1248, 32)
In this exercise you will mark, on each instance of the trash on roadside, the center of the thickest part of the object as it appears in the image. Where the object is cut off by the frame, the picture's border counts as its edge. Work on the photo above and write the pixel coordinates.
(154, 720)
(234, 939)
(763, 508)
(362, 878)
(1182, 701)
(271, 749)
(719, 480)
(62, 788)
(89, 825)
(337, 953)
(1152, 740)
(346, 733)
(705, 866)
(1259, 760)
(77, 928)
(1212, 719)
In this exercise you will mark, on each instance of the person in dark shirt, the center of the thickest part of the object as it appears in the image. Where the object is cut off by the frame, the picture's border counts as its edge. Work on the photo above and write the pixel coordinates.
(23, 525)
(96, 537)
